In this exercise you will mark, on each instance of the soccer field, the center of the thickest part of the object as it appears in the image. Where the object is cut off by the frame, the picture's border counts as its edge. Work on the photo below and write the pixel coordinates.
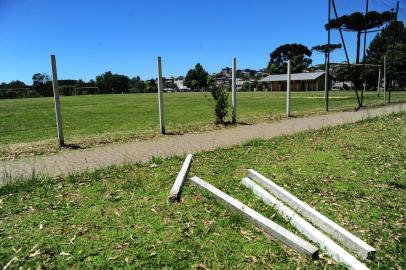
(91, 120)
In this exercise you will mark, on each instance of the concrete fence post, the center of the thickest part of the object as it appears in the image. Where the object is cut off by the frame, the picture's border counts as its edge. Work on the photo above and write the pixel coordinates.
(57, 102)
(288, 84)
(384, 79)
(326, 83)
(234, 90)
(379, 81)
(161, 97)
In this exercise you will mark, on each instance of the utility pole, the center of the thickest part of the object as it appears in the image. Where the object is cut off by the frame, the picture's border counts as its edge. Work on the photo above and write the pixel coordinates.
(363, 59)
(327, 61)
(288, 80)
(393, 50)
(161, 97)
(379, 81)
(57, 101)
(384, 79)
(234, 90)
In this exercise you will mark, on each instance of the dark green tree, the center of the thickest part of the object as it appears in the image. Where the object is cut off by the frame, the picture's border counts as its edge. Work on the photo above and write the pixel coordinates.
(151, 86)
(196, 78)
(40, 78)
(137, 85)
(17, 84)
(326, 48)
(343, 73)
(357, 21)
(298, 54)
(91, 83)
(245, 87)
(80, 83)
(382, 45)
(42, 84)
(112, 83)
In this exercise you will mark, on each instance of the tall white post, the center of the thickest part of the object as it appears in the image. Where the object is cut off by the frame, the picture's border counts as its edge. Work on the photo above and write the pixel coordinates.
(288, 80)
(327, 61)
(57, 102)
(326, 81)
(161, 98)
(234, 90)
(379, 81)
(384, 80)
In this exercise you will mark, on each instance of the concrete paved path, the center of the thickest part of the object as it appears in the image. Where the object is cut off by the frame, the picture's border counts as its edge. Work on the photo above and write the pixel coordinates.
(64, 163)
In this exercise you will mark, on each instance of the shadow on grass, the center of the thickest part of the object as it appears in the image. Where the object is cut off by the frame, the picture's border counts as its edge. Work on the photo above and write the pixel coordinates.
(174, 133)
(227, 124)
(398, 185)
(73, 146)
(231, 124)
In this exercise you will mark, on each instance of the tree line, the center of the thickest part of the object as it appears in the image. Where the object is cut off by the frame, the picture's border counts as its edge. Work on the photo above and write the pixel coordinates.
(106, 83)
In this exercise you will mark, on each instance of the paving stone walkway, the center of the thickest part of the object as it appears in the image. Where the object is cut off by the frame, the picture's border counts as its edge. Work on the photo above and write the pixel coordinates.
(67, 162)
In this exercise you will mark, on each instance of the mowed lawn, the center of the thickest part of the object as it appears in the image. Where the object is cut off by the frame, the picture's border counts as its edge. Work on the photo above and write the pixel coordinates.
(119, 217)
(105, 118)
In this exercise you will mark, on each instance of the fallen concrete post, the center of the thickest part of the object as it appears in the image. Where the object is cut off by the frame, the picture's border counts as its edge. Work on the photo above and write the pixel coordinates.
(336, 252)
(334, 230)
(176, 190)
(278, 232)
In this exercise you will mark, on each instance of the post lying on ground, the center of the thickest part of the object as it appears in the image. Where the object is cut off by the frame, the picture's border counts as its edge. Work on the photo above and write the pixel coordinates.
(176, 190)
(234, 90)
(288, 82)
(57, 102)
(161, 98)
(285, 236)
(335, 251)
(334, 230)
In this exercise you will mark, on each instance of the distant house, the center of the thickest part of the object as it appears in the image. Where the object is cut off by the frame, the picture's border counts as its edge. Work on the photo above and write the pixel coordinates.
(180, 83)
(239, 83)
(307, 81)
(221, 79)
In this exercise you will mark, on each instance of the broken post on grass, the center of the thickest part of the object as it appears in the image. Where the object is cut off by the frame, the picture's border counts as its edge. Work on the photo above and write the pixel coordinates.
(234, 91)
(270, 227)
(288, 85)
(336, 252)
(334, 230)
(161, 97)
(58, 114)
(174, 194)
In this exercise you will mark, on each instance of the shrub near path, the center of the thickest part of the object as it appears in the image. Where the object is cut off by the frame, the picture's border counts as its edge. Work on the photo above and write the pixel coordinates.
(119, 216)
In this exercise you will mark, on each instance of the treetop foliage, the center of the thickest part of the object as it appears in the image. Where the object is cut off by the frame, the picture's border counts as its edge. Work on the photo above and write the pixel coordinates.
(357, 21)
(326, 48)
(299, 55)
(196, 78)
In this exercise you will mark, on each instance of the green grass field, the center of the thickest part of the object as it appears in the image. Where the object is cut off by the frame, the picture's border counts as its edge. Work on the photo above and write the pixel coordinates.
(29, 124)
(119, 217)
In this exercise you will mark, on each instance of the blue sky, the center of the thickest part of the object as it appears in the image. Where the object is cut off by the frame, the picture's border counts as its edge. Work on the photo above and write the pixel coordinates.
(90, 37)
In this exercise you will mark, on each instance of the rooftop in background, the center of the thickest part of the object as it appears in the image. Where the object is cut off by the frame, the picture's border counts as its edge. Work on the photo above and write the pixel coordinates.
(306, 76)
